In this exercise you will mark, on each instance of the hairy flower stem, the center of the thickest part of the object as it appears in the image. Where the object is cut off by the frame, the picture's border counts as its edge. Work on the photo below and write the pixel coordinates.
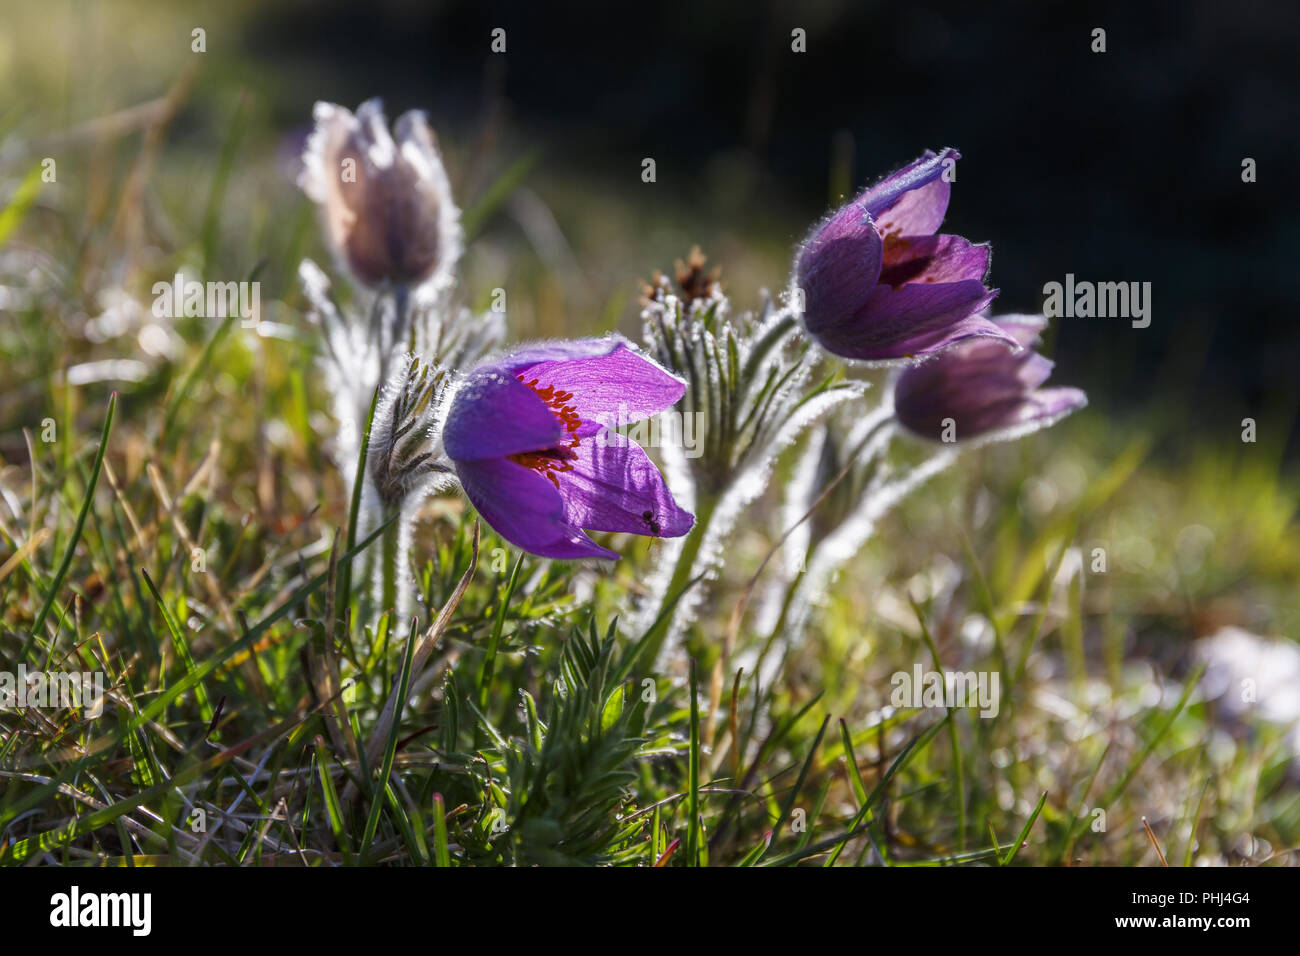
(391, 561)
(386, 338)
(681, 577)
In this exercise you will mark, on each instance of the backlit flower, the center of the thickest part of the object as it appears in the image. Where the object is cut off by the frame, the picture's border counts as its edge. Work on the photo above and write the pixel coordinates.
(878, 283)
(527, 438)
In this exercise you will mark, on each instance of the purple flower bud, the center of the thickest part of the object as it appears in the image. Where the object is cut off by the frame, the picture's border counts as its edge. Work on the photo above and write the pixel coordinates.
(528, 438)
(879, 285)
(982, 388)
(386, 204)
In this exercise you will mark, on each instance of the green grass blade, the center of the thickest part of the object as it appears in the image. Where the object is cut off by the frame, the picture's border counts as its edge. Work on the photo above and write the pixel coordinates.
(1024, 832)
(333, 809)
(788, 806)
(23, 198)
(477, 215)
(494, 642)
(390, 745)
(57, 582)
(958, 770)
(914, 747)
(182, 648)
(693, 777)
(855, 773)
(441, 851)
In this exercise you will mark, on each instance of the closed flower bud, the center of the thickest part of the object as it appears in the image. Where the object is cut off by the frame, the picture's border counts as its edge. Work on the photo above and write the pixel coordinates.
(385, 201)
(980, 388)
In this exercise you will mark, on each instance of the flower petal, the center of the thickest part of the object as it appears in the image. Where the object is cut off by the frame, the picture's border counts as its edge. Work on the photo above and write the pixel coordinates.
(1054, 403)
(493, 414)
(613, 486)
(913, 200)
(611, 383)
(917, 319)
(838, 267)
(374, 132)
(525, 509)
(1024, 328)
(933, 259)
(966, 379)
(1005, 419)
(424, 209)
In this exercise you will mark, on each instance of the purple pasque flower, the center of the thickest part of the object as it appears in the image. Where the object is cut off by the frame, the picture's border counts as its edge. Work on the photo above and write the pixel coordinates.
(982, 388)
(879, 284)
(527, 436)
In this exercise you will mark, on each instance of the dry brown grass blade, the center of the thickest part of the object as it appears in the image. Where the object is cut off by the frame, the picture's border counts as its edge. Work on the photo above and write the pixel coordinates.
(123, 122)
(1154, 842)
(125, 505)
(146, 532)
(171, 508)
(31, 457)
(28, 546)
(128, 223)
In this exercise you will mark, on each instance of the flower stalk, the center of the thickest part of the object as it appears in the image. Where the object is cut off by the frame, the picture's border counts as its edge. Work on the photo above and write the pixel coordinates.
(391, 563)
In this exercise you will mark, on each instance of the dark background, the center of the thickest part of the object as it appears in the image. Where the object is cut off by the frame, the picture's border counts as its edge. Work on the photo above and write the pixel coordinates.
(1122, 166)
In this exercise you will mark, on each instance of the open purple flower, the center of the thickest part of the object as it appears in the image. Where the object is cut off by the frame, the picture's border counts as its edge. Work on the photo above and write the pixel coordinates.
(879, 284)
(527, 438)
(981, 388)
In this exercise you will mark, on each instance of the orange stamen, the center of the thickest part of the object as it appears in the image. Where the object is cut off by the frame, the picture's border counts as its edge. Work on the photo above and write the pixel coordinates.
(548, 462)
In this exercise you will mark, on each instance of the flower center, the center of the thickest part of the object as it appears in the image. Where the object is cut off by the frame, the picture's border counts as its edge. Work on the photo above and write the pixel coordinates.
(549, 462)
(899, 264)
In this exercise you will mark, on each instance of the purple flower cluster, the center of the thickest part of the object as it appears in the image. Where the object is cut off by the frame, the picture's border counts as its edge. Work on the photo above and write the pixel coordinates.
(881, 285)
(876, 280)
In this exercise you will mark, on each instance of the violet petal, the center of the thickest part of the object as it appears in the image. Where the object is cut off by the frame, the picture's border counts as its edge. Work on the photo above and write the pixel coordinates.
(613, 486)
(837, 268)
(933, 259)
(913, 200)
(610, 382)
(493, 414)
(917, 319)
(526, 509)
